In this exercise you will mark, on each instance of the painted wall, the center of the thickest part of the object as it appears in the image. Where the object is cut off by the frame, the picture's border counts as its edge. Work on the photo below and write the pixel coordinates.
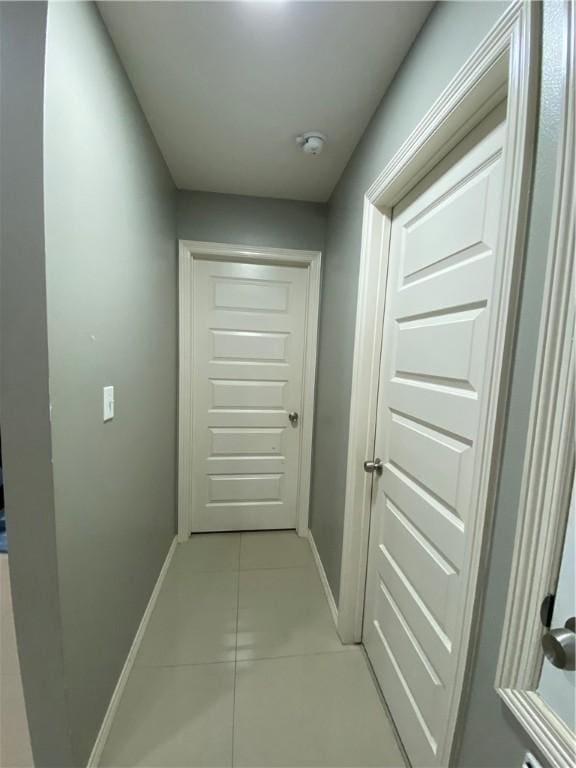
(426, 71)
(26, 433)
(257, 221)
(89, 299)
(484, 713)
(111, 287)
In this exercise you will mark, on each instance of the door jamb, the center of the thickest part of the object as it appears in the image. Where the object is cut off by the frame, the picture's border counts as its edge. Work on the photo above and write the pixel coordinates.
(504, 66)
(190, 250)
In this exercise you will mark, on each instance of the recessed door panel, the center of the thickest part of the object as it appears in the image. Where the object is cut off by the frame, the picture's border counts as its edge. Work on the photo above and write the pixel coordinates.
(240, 489)
(431, 237)
(432, 457)
(261, 395)
(246, 441)
(252, 295)
(249, 345)
(438, 347)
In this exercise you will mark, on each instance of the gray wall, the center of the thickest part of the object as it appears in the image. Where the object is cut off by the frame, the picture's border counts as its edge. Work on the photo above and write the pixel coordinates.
(484, 713)
(450, 34)
(489, 736)
(111, 287)
(89, 294)
(26, 438)
(257, 221)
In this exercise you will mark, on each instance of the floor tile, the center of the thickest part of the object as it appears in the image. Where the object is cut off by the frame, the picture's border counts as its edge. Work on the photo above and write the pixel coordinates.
(15, 748)
(194, 620)
(174, 717)
(274, 549)
(284, 612)
(318, 710)
(209, 552)
(9, 663)
(5, 594)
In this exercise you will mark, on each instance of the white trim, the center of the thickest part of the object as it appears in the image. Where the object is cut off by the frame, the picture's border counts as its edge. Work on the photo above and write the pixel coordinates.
(544, 496)
(505, 65)
(323, 578)
(543, 726)
(103, 733)
(312, 261)
(363, 401)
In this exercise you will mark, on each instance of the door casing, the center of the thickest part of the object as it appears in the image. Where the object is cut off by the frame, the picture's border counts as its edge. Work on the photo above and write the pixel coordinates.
(504, 66)
(189, 250)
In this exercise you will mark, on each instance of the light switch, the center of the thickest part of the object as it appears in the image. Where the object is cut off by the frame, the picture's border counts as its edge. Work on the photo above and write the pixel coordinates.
(108, 402)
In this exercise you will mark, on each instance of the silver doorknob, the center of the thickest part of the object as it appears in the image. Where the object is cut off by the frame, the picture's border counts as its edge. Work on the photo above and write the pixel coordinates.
(293, 416)
(559, 646)
(374, 466)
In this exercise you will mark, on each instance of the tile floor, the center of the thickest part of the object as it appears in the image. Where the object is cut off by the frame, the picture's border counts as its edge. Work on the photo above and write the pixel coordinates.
(15, 749)
(241, 665)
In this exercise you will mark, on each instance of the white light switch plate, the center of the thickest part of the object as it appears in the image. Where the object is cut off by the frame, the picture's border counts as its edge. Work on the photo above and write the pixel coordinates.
(108, 403)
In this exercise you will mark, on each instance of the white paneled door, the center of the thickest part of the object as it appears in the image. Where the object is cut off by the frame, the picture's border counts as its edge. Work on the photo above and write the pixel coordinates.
(248, 361)
(443, 291)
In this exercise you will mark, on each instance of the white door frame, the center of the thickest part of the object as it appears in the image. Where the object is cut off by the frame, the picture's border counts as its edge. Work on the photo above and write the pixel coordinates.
(504, 66)
(189, 250)
(544, 495)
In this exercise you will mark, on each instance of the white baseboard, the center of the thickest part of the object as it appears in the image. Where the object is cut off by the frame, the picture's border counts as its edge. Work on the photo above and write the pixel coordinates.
(323, 578)
(104, 731)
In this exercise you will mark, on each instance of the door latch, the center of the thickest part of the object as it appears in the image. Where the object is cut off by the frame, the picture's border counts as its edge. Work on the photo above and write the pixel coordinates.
(546, 610)
(374, 466)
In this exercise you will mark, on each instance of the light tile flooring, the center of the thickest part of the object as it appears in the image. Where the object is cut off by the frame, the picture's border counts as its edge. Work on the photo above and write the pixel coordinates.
(15, 749)
(241, 665)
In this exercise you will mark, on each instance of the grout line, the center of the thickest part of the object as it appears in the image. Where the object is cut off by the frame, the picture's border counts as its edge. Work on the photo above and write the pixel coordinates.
(236, 653)
(280, 568)
(187, 664)
(239, 552)
(347, 649)
(243, 570)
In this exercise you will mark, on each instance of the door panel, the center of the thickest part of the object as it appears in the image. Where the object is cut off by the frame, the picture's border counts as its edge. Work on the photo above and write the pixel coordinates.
(249, 337)
(441, 296)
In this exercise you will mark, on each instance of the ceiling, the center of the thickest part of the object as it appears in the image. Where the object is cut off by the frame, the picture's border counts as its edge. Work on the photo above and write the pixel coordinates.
(227, 86)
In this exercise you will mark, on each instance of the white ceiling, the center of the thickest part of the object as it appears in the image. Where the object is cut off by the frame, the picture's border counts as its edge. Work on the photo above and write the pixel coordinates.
(227, 86)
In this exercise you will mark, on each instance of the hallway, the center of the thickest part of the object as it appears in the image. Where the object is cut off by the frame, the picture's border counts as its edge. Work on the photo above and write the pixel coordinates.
(241, 665)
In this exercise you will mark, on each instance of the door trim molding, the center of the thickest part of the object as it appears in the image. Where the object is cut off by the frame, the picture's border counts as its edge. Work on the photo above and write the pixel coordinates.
(189, 250)
(504, 66)
(544, 496)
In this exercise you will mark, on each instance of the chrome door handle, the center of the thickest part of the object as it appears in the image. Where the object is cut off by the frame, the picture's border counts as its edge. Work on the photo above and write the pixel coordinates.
(374, 466)
(293, 416)
(559, 646)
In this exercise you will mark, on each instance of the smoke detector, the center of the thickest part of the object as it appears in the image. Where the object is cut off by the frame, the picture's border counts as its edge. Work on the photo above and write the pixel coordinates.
(311, 142)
